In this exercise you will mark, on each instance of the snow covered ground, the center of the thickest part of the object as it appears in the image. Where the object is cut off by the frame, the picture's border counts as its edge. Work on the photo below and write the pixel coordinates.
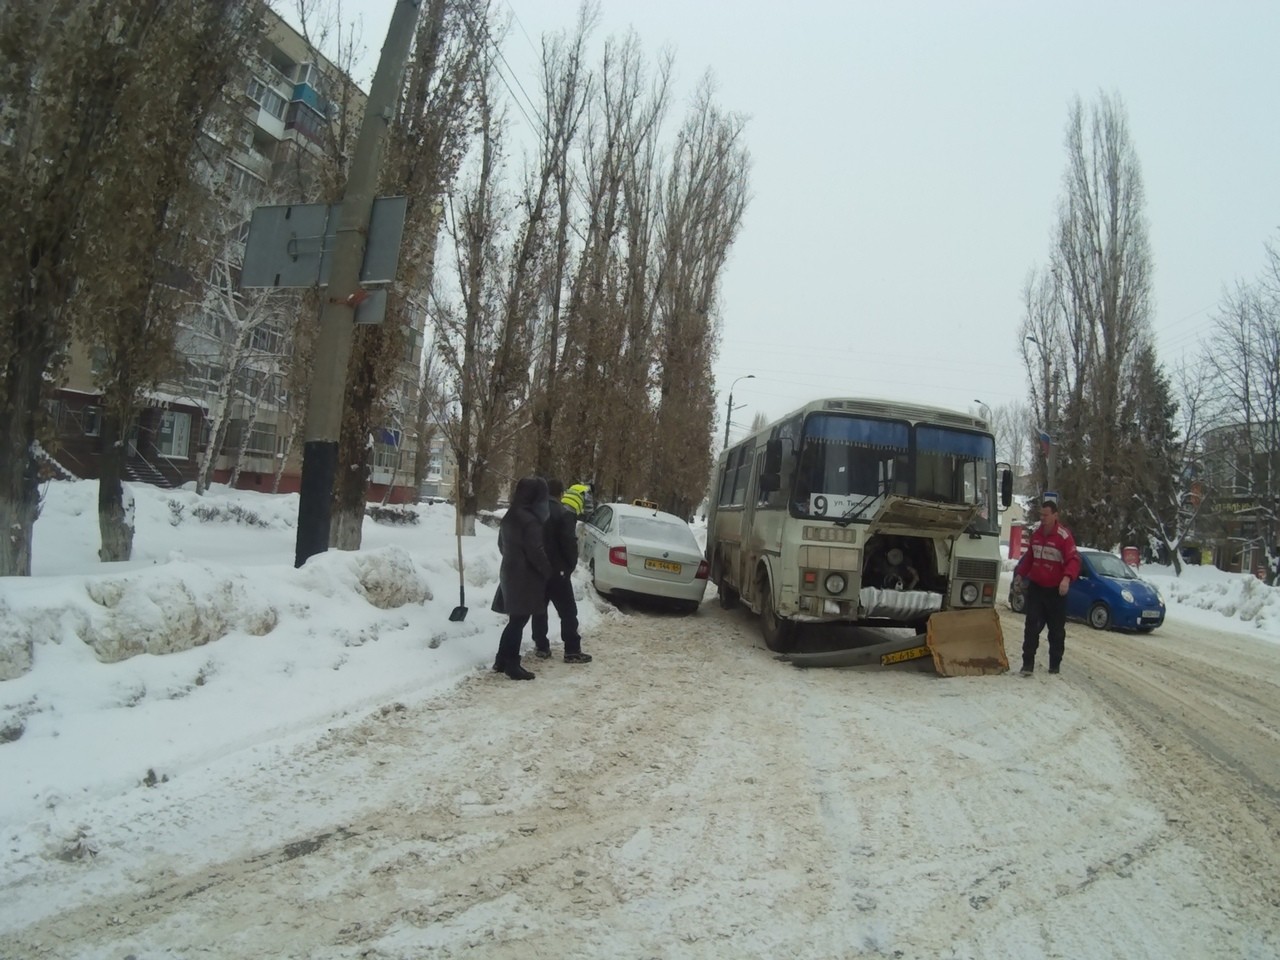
(209, 648)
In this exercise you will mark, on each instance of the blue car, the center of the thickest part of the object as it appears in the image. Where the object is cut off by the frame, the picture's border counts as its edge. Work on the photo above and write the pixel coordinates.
(1108, 593)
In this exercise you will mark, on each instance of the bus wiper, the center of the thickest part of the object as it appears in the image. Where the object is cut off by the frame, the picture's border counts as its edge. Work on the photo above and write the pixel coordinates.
(849, 516)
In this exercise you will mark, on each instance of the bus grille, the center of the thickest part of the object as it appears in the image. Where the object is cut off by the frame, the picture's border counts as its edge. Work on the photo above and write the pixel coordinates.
(970, 569)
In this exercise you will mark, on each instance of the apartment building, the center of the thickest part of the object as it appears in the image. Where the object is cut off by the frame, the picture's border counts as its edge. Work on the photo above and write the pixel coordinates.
(235, 346)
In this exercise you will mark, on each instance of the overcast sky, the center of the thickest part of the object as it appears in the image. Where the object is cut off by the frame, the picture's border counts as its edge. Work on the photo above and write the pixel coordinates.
(908, 159)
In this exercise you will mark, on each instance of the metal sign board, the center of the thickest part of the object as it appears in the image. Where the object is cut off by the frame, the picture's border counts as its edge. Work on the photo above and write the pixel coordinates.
(382, 247)
(284, 245)
(292, 245)
(373, 309)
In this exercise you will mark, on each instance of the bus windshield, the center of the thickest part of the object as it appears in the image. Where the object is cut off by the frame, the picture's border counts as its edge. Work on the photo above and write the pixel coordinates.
(847, 465)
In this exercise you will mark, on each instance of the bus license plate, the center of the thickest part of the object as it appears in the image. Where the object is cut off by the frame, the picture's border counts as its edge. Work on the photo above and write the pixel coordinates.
(915, 653)
(663, 565)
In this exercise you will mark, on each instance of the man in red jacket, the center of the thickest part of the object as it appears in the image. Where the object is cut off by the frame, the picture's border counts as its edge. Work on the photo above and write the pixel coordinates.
(1046, 571)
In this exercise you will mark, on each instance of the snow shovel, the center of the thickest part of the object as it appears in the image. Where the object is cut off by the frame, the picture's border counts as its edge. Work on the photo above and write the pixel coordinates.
(460, 611)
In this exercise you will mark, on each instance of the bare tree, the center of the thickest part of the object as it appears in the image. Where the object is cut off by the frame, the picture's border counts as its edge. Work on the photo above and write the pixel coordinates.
(704, 200)
(426, 147)
(483, 343)
(1010, 424)
(1170, 488)
(100, 166)
(232, 333)
(1242, 358)
(1095, 302)
(604, 424)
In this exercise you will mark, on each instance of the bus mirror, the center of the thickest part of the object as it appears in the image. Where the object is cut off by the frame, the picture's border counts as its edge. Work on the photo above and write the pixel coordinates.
(1006, 488)
(773, 459)
(769, 482)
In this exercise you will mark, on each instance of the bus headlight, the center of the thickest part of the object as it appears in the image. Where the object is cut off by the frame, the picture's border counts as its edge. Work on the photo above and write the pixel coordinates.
(969, 593)
(835, 583)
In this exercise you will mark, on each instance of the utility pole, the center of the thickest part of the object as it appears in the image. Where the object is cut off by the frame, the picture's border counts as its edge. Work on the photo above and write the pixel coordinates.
(344, 293)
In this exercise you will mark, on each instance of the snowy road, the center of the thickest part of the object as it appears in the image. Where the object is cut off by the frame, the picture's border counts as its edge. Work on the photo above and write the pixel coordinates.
(686, 795)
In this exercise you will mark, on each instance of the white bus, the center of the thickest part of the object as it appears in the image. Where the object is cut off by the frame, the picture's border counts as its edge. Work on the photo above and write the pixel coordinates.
(858, 511)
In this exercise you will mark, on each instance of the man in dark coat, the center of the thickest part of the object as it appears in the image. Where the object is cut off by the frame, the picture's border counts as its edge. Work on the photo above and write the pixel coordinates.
(561, 538)
(525, 569)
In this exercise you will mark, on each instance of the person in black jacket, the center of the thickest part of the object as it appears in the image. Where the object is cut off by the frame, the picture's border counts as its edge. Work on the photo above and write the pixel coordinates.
(525, 569)
(561, 538)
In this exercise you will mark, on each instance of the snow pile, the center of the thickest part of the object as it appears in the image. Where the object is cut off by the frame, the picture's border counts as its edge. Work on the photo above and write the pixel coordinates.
(1238, 596)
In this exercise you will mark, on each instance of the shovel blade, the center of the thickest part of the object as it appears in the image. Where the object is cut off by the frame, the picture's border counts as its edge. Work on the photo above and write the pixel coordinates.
(459, 613)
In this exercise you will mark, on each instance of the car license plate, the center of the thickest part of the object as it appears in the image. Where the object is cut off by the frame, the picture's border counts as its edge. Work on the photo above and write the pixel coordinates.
(1151, 614)
(915, 653)
(666, 566)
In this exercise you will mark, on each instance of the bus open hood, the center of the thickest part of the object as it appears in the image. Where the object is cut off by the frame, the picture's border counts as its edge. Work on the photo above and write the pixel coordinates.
(902, 514)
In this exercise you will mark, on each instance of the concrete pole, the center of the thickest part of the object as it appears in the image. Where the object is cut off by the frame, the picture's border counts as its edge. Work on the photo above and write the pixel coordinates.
(1052, 456)
(337, 317)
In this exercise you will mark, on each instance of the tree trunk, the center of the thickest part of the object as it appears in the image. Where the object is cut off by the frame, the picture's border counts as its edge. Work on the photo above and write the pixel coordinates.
(243, 446)
(346, 527)
(19, 489)
(217, 437)
(115, 522)
(283, 460)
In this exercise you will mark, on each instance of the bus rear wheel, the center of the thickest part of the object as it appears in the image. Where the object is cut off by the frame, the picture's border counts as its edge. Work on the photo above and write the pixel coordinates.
(779, 632)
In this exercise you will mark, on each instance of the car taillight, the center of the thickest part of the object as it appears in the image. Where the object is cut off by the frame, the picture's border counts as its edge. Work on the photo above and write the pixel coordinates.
(704, 571)
(618, 555)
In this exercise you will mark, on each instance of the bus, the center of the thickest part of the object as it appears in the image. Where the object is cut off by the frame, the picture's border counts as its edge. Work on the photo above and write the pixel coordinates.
(858, 511)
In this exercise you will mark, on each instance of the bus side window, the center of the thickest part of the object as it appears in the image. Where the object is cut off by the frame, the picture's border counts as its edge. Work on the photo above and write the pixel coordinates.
(726, 482)
(772, 499)
(741, 473)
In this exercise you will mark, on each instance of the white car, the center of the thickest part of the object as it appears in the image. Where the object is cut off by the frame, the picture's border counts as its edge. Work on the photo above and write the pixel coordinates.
(637, 550)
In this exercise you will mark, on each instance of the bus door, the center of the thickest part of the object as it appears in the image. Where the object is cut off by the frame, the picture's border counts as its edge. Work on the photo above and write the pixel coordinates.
(751, 542)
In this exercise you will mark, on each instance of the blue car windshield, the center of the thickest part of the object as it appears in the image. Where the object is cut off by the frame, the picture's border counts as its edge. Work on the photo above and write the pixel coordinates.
(1109, 565)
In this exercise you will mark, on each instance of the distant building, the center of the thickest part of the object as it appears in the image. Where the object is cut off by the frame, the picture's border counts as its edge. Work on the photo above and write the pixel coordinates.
(441, 476)
(1242, 483)
(266, 155)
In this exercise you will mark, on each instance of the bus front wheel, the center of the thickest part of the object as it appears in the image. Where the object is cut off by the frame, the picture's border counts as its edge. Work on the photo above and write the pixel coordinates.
(779, 632)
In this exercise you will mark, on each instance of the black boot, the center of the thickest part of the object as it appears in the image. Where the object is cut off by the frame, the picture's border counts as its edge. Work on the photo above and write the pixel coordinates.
(516, 672)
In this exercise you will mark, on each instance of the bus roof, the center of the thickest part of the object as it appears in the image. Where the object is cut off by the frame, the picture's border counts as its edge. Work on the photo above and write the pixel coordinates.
(869, 406)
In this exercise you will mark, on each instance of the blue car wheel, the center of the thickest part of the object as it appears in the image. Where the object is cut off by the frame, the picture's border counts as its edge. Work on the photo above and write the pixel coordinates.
(1099, 616)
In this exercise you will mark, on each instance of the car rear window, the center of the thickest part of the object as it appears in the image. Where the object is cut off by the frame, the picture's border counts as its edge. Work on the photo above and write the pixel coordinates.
(663, 531)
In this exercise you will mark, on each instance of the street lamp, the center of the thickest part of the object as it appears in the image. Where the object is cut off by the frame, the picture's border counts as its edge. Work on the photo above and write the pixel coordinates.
(728, 413)
(986, 411)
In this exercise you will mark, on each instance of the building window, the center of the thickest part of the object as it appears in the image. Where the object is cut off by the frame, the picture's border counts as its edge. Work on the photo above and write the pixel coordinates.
(306, 121)
(243, 182)
(266, 338)
(274, 104)
(262, 440)
(173, 439)
(93, 421)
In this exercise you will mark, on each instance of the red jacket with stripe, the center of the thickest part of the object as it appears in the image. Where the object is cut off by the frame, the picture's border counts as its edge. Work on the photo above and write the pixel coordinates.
(1049, 557)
